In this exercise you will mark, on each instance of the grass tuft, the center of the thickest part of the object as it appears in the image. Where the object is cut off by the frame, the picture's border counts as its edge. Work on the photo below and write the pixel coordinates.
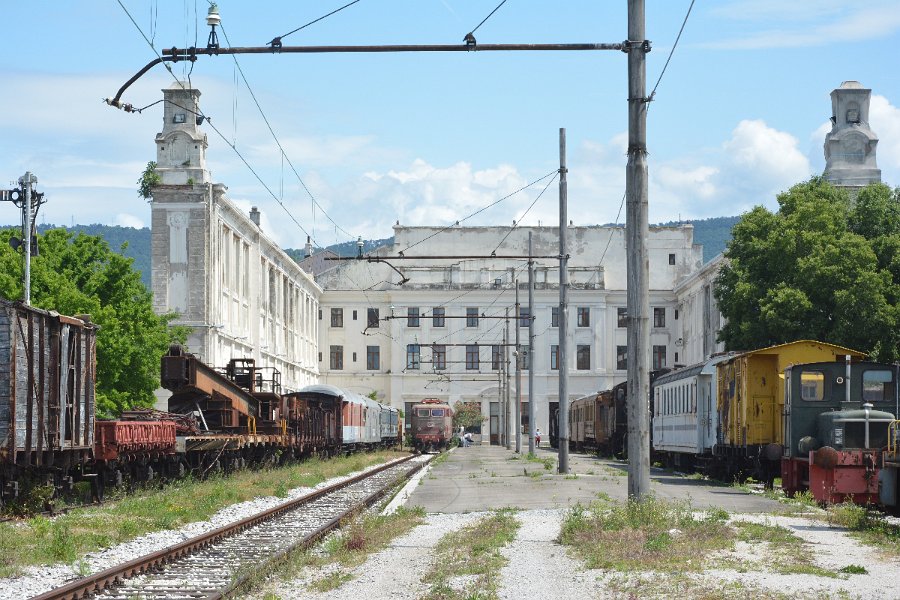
(468, 562)
(646, 535)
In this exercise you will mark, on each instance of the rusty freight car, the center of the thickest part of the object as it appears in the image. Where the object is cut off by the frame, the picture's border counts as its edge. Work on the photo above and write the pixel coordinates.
(47, 369)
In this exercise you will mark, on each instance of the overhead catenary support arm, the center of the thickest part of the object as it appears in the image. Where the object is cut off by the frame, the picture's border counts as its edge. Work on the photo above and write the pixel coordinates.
(191, 54)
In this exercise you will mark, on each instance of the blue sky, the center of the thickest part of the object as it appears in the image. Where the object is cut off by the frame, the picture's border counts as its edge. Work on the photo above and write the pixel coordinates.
(740, 115)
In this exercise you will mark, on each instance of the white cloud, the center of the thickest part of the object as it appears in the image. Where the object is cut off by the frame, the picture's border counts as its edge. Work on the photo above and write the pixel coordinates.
(884, 118)
(126, 220)
(810, 24)
(758, 154)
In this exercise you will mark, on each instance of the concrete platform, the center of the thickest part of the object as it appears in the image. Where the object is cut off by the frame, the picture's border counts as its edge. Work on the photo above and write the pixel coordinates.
(487, 477)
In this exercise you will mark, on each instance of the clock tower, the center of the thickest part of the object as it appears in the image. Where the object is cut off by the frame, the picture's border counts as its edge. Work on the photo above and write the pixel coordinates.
(181, 146)
(850, 145)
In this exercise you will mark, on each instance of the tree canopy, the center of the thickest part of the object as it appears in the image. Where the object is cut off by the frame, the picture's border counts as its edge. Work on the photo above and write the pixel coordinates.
(82, 275)
(825, 266)
(467, 414)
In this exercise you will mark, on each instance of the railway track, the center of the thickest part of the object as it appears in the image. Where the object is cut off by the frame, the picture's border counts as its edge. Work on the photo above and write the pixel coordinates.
(217, 562)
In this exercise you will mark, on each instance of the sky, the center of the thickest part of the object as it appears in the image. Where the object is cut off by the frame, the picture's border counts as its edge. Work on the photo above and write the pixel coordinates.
(370, 140)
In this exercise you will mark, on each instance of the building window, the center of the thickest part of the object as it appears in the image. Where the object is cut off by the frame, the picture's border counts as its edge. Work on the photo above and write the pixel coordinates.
(372, 319)
(495, 358)
(412, 317)
(412, 356)
(676, 314)
(320, 314)
(659, 316)
(437, 317)
(659, 357)
(472, 358)
(320, 357)
(554, 357)
(354, 314)
(337, 317)
(621, 317)
(524, 316)
(583, 358)
(671, 259)
(336, 357)
(525, 353)
(439, 357)
(554, 316)
(621, 357)
(354, 357)
(584, 316)
(373, 358)
(472, 316)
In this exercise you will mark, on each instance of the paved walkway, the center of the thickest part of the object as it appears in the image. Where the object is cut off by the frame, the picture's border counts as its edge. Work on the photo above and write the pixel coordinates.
(487, 477)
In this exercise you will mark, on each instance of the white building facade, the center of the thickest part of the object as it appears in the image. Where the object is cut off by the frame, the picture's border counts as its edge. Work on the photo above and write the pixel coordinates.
(212, 265)
(441, 333)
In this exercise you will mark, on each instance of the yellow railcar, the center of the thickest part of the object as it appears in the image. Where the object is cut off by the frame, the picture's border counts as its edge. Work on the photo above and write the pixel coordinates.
(750, 399)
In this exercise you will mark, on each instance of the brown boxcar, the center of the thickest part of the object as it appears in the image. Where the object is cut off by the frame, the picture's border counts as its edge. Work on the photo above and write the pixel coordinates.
(47, 371)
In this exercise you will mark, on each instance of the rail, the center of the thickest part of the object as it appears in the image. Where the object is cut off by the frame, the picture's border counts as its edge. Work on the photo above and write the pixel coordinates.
(92, 584)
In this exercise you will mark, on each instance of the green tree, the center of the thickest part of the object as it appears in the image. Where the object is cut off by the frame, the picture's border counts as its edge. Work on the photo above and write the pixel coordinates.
(149, 178)
(825, 266)
(82, 275)
(467, 414)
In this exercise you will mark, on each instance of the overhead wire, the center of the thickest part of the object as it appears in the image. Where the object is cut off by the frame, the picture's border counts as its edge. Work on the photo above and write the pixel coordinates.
(671, 52)
(278, 142)
(481, 210)
(519, 220)
(277, 40)
(488, 17)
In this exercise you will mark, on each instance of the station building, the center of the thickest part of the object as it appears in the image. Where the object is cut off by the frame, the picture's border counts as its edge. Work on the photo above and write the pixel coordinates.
(447, 331)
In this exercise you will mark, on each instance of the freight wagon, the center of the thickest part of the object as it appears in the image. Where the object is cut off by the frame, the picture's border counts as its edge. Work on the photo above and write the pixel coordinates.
(47, 371)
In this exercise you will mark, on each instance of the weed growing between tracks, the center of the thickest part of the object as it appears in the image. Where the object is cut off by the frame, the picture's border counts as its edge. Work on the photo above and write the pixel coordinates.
(362, 536)
(65, 538)
(468, 562)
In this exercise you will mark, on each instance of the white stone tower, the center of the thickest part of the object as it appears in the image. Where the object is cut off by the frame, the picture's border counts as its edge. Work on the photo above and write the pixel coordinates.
(850, 145)
(181, 146)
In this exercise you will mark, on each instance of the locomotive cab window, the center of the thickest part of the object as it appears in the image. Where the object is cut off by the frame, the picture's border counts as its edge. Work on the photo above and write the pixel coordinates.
(812, 385)
(437, 412)
(878, 385)
(423, 412)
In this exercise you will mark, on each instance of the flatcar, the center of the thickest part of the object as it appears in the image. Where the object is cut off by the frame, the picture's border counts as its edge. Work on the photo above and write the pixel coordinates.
(836, 425)
(432, 425)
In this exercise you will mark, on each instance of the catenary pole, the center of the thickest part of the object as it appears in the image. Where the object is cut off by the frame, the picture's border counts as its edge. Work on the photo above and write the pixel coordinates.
(562, 361)
(531, 416)
(636, 232)
(517, 354)
(506, 377)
